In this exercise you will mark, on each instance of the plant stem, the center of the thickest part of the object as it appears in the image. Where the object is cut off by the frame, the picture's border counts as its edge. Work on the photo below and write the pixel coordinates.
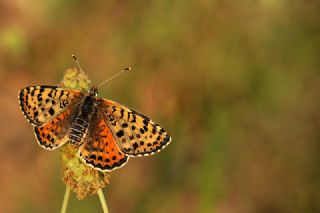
(103, 201)
(65, 200)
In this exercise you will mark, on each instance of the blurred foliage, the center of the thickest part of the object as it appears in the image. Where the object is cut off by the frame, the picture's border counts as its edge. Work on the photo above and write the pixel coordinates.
(236, 84)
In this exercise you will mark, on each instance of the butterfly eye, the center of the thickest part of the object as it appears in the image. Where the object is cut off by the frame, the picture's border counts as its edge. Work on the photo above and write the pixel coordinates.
(93, 91)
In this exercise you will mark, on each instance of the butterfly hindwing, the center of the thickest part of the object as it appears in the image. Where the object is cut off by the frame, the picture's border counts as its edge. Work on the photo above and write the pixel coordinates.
(55, 133)
(40, 104)
(100, 150)
(135, 133)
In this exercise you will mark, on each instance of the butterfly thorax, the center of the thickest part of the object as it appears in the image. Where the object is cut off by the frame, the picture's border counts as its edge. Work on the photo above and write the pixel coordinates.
(81, 122)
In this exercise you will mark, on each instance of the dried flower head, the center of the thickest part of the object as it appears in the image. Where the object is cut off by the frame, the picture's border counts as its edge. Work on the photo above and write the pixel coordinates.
(82, 179)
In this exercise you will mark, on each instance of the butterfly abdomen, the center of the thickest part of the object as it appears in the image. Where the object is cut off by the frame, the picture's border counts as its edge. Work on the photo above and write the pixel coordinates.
(78, 131)
(79, 127)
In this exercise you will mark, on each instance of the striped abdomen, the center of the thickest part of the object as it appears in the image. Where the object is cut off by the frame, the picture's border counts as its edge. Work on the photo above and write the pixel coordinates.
(78, 131)
(79, 127)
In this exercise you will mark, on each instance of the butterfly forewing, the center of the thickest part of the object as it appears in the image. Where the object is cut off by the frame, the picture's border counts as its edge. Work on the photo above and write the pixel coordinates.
(40, 104)
(134, 133)
(100, 150)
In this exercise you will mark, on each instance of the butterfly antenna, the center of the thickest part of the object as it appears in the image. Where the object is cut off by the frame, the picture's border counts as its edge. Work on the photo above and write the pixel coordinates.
(112, 77)
(77, 62)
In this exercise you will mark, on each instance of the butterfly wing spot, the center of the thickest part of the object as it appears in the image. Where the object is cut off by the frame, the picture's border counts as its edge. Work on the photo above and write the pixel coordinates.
(100, 150)
(54, 134)
(40, 104)
(51, 111)
(120, 133)
(135, 133)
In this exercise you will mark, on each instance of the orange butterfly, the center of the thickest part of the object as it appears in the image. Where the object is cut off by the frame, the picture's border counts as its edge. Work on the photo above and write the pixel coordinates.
(107, 133)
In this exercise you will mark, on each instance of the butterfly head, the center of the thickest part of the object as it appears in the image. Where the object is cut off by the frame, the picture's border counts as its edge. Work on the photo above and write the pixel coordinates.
(93, 91)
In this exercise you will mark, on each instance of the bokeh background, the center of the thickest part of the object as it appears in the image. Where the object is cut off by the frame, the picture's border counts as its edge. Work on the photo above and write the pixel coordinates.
(236, 84)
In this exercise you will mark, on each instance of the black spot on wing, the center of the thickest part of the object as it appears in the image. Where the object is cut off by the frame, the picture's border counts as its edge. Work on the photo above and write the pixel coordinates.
(135, 145)
(145, 122)
(32, 92)
(119, 134)
(51, 111)
(121, 113)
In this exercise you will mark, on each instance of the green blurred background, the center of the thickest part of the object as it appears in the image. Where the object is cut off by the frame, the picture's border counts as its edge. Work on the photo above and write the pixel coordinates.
(235, 83)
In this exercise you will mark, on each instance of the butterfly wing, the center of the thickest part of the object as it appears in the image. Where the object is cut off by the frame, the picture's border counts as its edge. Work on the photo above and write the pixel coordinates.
(100, 150)
(55, 133)
(40, 104)
(134, 133)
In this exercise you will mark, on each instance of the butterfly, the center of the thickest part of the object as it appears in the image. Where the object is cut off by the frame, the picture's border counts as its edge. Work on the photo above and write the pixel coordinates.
(107, 133)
